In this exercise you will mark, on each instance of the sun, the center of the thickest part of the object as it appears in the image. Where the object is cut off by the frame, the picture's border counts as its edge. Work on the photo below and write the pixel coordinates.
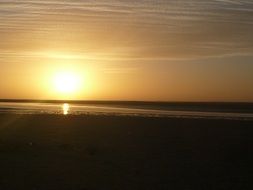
(67, 82)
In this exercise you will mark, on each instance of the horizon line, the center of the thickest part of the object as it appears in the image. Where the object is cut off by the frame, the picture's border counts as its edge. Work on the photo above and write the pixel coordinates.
(20, 100)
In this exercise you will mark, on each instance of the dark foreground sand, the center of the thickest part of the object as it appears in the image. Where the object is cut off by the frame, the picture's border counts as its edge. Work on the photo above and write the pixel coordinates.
(52, 152)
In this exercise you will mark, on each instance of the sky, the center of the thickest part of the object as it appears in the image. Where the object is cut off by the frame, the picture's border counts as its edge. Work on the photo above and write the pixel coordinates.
(152, 50)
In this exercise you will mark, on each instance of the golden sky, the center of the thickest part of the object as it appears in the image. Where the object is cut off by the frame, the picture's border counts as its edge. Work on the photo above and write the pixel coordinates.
(159, 50)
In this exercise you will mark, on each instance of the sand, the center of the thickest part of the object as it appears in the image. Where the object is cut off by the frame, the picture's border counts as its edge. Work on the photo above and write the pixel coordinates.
(57, 152)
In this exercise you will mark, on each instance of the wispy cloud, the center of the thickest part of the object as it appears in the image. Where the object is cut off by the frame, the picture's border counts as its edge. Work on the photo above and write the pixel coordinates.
(145, 29)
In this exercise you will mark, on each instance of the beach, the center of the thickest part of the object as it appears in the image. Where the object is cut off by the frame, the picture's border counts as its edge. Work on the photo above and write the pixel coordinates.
(90, 152)
(126, 95)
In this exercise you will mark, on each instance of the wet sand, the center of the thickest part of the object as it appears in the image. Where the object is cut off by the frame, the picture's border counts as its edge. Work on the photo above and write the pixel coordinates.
(57, 152)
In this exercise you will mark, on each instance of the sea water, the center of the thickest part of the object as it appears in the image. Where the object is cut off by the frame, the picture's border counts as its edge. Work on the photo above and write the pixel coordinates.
(189, 110)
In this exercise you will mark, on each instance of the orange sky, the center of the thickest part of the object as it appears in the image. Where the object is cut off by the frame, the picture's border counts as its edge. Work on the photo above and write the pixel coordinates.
(126, 50)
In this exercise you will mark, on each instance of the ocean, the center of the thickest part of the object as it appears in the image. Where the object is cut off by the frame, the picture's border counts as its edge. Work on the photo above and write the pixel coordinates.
(238, 111)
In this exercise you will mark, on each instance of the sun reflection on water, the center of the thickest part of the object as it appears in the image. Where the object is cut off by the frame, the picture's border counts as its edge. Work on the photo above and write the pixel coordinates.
(65, 109)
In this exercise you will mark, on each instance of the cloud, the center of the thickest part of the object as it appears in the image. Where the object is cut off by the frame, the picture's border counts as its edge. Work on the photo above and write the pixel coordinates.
(145, 29)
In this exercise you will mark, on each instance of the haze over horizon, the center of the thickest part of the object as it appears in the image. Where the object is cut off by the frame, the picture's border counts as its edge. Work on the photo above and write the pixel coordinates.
(147, 50)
